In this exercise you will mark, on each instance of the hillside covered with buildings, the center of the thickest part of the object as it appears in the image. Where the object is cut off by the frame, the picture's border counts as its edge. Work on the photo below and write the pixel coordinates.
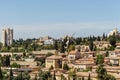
(66, 58)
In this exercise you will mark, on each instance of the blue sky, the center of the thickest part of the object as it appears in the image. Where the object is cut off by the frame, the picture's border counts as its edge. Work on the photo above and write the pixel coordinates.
(35, 18)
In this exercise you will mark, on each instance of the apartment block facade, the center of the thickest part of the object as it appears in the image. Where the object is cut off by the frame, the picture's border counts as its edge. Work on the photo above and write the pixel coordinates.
(7, 36)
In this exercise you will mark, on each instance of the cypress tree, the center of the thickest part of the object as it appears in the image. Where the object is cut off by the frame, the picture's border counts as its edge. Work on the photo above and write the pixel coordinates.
(65, 67)
(89, 77)
(35, 77)
(11, 74)
(56, 45)
(54, 78)
(1, 76)
(62, 49)
(91, 44)
(7, 61)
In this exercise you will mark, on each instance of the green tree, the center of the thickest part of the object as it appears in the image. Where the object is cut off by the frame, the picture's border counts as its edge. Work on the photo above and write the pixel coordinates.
(34, 46)
(20, 76)
(54, 77)
(62, 48)
(100, 59)
(83, 78)
(56, 45)
(91, 45)
(109, 77)
(23, 76)
(24, 54)
(112, 40)
(71, 47)
(72, 74)
(106, 54)
(51, 68)
(89, 77)
(26, 76)
(1, 76)
(98, 38)
(1, 45)
(44, 75)
(40, 61)
(35, 77)
(95, 48)
(78, 40)
(15, 65)
(11, 74)
(101, 72)
(63, 77)
(3, 61)
(65, 67)
(7, 62)
(49, 54)
(103, 37)
(111, 48)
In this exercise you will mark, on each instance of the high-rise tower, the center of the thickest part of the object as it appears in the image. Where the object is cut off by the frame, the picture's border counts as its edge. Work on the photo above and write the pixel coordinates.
(7, 36)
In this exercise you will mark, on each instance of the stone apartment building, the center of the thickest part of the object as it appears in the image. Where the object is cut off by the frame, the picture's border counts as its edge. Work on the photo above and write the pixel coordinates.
(54, 60)
(7, 36)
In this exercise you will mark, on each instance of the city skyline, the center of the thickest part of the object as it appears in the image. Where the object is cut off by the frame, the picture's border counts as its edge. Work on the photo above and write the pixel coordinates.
(19, 34)
(38, 18)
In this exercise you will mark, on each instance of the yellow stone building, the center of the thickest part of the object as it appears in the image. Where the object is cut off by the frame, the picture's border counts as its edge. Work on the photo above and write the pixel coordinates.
(55, 61)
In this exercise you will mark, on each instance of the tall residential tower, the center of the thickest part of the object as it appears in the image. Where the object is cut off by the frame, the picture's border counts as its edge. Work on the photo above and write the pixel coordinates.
(7, 36)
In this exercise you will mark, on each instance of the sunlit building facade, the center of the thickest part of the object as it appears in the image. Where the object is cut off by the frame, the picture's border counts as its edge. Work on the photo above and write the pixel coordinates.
(7, 36)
